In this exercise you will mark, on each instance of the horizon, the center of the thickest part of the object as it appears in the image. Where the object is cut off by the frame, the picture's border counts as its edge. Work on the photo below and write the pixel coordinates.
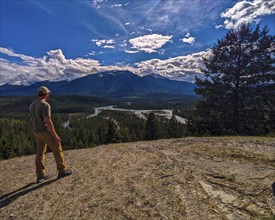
(65, 40)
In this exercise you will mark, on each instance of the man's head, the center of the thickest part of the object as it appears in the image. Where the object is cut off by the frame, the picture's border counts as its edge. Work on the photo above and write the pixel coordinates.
(43, 92)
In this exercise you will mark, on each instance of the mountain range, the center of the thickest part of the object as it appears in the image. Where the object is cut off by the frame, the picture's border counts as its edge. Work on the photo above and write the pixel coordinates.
(111, 84)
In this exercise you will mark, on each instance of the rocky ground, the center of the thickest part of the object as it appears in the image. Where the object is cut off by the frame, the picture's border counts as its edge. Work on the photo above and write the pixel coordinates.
(188, 178)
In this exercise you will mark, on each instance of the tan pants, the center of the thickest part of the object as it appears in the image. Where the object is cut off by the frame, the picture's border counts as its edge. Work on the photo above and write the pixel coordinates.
(42, 141)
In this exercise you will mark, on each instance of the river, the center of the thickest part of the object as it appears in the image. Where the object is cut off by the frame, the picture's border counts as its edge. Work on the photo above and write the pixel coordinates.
(167, 113)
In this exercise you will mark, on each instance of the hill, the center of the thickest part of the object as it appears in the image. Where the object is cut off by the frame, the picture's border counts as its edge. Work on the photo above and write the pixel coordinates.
(112, 84)
(190, 178)
(63, 104)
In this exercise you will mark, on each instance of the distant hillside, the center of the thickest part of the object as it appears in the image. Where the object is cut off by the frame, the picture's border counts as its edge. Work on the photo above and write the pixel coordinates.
(190, 178)
(115, 84)
(63, 104)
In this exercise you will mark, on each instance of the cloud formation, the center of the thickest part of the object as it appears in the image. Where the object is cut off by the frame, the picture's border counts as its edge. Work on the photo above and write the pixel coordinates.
(188, 39)
(179, 68)
(149, 43)
(110, 43)
(55, 67)
(247, 12)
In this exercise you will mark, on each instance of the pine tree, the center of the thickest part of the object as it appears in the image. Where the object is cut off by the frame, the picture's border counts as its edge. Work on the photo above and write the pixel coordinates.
(101, 134)
(175, 128)
(152, 130)
(112, 132)
(124, 135)
(238, 85)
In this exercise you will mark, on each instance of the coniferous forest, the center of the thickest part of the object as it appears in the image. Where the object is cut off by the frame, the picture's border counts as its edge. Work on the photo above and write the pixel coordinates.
(236, 96)
(16, 136)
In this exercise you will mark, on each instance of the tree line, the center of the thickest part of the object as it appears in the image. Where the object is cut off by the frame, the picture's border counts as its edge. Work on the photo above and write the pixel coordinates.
(16, 136)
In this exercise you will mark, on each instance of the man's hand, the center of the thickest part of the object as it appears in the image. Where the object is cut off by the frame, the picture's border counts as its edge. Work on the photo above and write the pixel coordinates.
(50, 127)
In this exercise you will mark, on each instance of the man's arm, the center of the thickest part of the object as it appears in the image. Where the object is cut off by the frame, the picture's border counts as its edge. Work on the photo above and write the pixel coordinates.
(50, 126)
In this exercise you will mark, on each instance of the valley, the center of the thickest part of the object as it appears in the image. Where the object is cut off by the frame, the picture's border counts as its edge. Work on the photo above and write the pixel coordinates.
(143, 114)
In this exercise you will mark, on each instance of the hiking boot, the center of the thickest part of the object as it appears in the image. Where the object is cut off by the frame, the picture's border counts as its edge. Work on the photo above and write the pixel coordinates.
(42, 178)
(65, 173)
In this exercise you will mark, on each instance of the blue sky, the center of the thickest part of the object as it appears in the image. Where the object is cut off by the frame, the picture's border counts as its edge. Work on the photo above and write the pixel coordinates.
(67, 39)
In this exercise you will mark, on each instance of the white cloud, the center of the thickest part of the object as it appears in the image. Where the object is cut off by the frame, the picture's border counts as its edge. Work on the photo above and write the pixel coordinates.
(110, 43)
(11, 53)
(92, 53)
(181, 67)
(53, 67)
(131, 51)
(173, 15)
(219, 26)
(97, 3)
(116, 6)
(109, 46)
(247, 12)
(149, 43)
(188, 39)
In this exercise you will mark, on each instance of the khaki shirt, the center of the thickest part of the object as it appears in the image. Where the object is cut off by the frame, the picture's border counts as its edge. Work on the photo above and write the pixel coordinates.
(38, 110)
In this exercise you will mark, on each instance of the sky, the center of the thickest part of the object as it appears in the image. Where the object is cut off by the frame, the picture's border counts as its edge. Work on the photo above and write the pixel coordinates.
(67, 39)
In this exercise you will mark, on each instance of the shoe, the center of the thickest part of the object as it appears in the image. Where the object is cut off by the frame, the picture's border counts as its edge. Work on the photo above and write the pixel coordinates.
(42, 178)
(65, 173)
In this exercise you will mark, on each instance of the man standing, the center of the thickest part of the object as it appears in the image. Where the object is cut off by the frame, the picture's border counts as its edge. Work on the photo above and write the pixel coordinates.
(45, 135)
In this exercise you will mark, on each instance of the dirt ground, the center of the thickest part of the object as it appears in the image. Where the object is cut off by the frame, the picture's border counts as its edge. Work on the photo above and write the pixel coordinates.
(188, 178)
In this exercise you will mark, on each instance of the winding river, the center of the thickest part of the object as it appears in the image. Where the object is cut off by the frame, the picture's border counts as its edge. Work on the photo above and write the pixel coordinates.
(167, 113)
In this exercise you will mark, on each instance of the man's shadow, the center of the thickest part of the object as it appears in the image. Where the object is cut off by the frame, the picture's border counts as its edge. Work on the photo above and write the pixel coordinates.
(12, 196)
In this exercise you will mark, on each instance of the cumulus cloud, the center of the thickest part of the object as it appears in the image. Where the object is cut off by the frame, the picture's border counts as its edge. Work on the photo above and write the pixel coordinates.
(54, 66)
(181, 67)
(247, 12)
(103, 43)
(149, 43)
(188, 39)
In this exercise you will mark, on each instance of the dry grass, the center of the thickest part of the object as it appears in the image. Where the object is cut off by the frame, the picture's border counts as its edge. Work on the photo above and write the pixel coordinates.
(189, 178)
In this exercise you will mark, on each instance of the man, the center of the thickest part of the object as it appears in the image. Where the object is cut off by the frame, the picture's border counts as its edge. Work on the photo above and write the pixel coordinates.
(45, 135)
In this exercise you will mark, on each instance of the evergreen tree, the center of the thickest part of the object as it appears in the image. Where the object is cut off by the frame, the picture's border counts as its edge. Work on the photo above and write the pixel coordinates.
(101, 134)
(152, 127)
(112, 132)
(124, 135)
(175, 128)
(93, 140)
(238, 85)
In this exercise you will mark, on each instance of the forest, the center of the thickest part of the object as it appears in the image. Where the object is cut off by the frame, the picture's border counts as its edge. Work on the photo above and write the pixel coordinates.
(236, 96)
(16, 136)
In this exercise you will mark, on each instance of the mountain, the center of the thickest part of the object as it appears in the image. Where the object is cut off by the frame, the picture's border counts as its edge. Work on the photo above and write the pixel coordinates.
(113, 84)
(188, 178)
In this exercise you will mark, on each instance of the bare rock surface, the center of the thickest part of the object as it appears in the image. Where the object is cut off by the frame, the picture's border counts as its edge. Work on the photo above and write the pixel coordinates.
(188, 178)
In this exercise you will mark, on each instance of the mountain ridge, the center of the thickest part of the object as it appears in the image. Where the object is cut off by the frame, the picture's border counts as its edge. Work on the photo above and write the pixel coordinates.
(114, 84)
